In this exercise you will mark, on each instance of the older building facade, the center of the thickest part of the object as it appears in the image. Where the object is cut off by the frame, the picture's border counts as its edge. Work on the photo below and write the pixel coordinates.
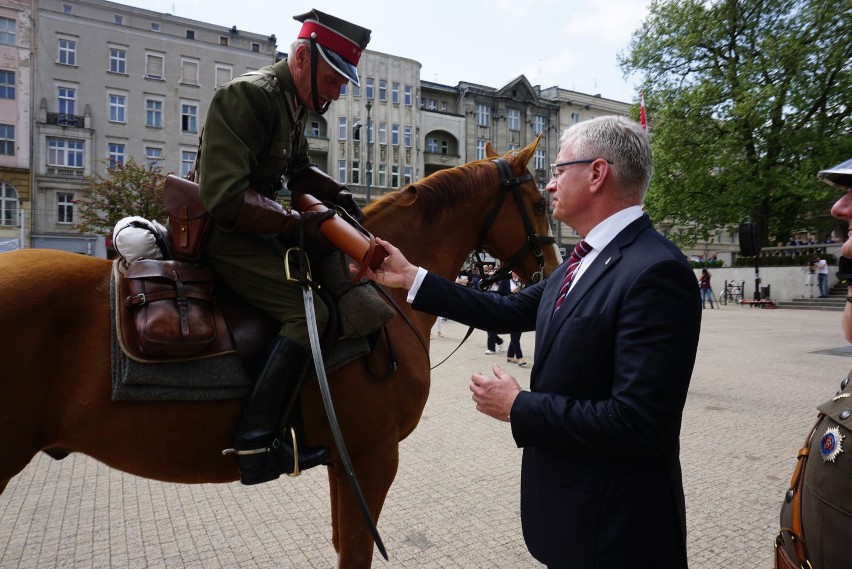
(16, 73)
(116, 83)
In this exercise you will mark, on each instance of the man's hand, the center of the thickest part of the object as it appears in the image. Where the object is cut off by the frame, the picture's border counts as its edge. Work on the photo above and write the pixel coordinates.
(311, 221)
(494, 396)
(394, 272)
(348, 203)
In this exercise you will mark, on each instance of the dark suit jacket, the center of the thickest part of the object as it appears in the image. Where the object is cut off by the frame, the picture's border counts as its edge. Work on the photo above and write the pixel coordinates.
(601, 479)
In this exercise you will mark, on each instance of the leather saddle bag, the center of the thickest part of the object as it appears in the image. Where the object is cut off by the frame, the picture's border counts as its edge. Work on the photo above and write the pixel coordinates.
(171, 311)
(189, 222)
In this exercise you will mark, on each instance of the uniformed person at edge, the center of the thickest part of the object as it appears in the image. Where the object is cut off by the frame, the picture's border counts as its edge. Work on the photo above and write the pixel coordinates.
(254, 135)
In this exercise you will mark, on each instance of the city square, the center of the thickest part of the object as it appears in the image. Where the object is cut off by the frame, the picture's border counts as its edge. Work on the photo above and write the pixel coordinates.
(758, 378)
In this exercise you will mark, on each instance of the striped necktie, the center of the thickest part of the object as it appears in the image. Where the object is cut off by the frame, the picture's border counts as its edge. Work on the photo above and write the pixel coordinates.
(581, 250)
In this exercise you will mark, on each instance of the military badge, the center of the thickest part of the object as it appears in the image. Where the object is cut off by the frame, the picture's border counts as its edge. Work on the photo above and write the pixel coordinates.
(831, 444)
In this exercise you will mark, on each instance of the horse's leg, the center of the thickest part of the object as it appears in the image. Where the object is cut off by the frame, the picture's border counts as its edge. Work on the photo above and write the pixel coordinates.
(375, 471)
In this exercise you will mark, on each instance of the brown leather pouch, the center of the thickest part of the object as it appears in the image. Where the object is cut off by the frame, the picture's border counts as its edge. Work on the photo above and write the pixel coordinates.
(189, 222)
(173, 310)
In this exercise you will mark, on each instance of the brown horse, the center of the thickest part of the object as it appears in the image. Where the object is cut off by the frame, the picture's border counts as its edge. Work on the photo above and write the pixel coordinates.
(55, 324)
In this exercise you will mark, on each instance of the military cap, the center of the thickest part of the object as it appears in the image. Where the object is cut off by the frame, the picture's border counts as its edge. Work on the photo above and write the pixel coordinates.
(839, 176)
(340, 42)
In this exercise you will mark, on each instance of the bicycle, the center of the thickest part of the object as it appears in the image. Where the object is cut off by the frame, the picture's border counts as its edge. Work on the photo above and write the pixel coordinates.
(732, 292)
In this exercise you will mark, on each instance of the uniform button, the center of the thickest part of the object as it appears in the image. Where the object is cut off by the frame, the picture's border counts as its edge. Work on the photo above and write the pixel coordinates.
(844, 383)
(845, 414)
(789, 496)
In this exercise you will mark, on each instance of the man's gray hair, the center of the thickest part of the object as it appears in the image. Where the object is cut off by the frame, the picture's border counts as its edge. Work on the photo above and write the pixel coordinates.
(621, 141)
(296, 44)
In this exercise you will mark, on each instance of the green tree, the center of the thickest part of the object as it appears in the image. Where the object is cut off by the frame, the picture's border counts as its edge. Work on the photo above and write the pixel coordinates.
(747, 101)
(126, 190)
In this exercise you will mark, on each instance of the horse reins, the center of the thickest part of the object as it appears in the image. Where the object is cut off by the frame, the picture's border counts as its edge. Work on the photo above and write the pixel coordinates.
(533, 243)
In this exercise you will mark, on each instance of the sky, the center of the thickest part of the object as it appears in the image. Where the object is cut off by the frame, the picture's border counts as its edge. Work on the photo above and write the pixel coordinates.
(570, 44)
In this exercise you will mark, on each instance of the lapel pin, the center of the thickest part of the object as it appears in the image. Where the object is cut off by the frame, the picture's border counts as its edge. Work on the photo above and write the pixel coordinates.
(608, 259)
(831, 444)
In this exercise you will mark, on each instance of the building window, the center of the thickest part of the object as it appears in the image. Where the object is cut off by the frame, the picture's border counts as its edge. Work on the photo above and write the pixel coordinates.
(356, 128)
(67, 9)
(395, 93)
(189, 71)
(394, 176)
(118, 109)
(480, 149)
(313, 129)
(443, 106)
(189, 117)
(190, 34)
(67, 52)
(383, 175)
(356, 171)
(483, 116)
(115, 155)
(406, 136)
(223, 40)
(383, 90)
(395, 134)
(407, 96)
(341, 171)
(445, 147)
(383, 133)
(432, 145)
(539, 162)
(370, 87)
(155, 27)
(153, 66)
(187, 162)
(154, 113)
(7, 31)
(356, 90)
(153, 156)
(117, 60)
(538, 124)
(343, 90)
(64, 152)
(255, 47)
(66, 101)
(408, 171)
(64, 207)
(7, 140)
(514, 119)
(224, 73)
(575, 118)
(433, 105)
(341, 128)
(8, 205)
(7, 84)
(116, 19)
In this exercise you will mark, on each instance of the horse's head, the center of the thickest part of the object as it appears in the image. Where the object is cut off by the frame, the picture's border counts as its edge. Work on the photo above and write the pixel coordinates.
(526, 248)
(491, 205)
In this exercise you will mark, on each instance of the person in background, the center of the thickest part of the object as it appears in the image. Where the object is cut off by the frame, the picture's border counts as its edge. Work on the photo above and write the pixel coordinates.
(253, 135)
(617, 329)
(705, 288)
(514, 354)
(821, 268)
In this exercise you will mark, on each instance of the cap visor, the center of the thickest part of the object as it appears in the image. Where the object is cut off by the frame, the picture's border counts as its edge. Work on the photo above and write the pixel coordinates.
(839, 176)
(340, 65)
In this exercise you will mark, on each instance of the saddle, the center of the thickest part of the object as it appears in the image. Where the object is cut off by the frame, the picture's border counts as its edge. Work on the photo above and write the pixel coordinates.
(173, 309)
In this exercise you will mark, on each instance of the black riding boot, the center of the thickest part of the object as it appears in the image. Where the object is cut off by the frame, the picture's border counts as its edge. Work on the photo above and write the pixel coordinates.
(262, 453)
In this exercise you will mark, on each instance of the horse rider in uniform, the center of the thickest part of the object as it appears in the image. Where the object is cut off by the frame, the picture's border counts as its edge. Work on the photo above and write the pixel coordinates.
(254, 135)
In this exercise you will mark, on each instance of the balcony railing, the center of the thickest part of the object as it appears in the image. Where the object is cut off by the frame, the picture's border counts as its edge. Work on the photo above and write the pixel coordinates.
(65, 172)
(61, 119)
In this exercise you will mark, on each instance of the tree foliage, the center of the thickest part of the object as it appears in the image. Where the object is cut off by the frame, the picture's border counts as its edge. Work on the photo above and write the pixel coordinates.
(126, 190)
(747, 100)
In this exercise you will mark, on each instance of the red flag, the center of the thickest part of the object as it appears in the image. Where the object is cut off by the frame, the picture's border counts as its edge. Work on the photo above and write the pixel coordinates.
(643, 120)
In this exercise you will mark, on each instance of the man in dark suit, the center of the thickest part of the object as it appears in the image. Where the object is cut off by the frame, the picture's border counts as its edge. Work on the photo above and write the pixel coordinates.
(601, 479)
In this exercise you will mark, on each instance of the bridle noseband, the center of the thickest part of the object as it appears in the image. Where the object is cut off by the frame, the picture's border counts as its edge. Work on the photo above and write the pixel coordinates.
(508, 181)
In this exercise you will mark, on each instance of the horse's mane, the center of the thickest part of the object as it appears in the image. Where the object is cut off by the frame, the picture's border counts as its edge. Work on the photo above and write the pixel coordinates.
(432, 194)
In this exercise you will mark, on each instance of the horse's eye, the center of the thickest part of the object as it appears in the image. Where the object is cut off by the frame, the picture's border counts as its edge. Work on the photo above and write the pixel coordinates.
(540, 208)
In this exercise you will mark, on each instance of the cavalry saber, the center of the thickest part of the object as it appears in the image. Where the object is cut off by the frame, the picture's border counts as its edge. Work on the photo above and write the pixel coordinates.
(322, 379)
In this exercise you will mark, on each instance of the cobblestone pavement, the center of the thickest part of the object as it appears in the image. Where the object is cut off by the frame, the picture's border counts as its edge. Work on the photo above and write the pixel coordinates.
(757, 381)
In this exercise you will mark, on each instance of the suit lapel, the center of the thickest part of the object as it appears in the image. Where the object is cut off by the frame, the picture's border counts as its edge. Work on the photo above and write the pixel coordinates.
(595, 275)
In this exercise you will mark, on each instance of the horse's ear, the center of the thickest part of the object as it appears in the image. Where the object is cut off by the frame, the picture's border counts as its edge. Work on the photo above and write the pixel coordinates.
(489, 150)
(526, 154)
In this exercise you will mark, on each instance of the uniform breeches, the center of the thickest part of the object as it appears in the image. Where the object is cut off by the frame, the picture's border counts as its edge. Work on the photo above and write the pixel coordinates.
(253, 267)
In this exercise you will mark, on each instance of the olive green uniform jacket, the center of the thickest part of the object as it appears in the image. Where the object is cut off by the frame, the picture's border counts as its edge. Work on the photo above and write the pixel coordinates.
(253, 135)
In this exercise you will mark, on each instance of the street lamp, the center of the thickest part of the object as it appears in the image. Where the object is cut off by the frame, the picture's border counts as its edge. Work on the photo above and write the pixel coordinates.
(369, 151)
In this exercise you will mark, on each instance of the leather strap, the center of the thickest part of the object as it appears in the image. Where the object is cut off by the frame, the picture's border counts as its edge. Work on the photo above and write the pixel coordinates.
(144, 298)
(794, 495)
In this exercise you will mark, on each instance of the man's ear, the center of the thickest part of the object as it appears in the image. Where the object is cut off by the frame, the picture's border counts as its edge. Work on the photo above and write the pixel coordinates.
(599, 173)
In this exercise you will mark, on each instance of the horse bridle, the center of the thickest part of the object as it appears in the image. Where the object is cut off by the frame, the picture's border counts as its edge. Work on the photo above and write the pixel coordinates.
(508, 181)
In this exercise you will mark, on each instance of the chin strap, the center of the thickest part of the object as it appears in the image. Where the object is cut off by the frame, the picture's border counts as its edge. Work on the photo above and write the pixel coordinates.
(314, 63)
